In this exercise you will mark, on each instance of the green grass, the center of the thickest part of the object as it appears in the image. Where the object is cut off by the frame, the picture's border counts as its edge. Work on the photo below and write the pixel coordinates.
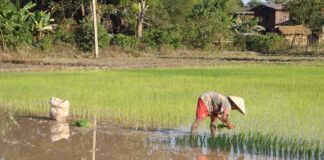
(285, 100)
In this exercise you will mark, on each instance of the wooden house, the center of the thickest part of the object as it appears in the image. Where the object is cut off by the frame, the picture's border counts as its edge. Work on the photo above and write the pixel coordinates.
(270, 15)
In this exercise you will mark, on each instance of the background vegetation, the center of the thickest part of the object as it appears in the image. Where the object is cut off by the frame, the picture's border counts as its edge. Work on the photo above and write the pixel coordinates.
(142, 24)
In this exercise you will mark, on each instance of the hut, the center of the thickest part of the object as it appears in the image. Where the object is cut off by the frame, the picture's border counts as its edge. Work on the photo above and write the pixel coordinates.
(297, 35)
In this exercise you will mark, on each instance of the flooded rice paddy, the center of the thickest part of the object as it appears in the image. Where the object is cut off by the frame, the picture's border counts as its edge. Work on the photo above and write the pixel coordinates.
(37, 138)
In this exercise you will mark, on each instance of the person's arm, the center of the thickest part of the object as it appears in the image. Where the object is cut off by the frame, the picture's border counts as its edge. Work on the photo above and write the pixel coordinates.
(224, 118)
(213, 125)
(194, 127)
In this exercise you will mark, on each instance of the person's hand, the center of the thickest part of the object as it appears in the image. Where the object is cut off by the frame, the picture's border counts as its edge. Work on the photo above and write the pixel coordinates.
(231, 126)
(221, 126)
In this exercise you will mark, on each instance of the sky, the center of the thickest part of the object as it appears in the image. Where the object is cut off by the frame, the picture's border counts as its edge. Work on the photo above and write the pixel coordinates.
(246, 1)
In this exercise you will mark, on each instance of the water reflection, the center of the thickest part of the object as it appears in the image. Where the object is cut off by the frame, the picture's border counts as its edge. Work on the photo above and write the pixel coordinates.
(218, 156)
(201, 157)
(38, 139)
(59, 130)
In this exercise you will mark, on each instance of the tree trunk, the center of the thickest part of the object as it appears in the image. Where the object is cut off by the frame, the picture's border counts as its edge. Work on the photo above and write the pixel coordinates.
(82, 9)
(140, 18)
(139, 28)
(3, 42)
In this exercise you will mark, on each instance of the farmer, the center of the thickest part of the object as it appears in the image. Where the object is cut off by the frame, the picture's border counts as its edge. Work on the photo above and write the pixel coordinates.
(216, 106)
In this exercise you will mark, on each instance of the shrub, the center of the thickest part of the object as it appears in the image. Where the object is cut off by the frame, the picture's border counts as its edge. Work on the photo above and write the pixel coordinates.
(197, 37)
(66, 36)
(18, 38)
(155, 38)
(65, 32)
(261, 43)
(84, 36)
(159, 36)
(44, 43)
(239, 42)
(125, 42)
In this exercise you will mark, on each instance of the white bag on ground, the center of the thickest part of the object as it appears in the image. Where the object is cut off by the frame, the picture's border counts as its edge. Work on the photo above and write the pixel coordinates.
(59, 109)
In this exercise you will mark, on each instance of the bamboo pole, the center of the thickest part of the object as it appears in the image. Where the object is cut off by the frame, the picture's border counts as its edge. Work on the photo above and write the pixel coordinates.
(95, 28)
(94, 139)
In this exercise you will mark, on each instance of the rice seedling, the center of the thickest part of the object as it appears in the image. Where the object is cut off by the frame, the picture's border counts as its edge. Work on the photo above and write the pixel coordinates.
(281, 100)
(254, 143)
(82, 123)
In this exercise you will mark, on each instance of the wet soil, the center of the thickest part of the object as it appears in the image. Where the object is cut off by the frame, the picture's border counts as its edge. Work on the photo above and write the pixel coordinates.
(38, 138)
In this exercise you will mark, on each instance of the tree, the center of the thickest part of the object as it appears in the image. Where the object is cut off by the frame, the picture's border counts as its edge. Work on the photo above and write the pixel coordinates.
(179, 9)
(138, 13)
(235, 4)
(208, 22)
(148, 12)
(253, 3)
(140, 16)
(63, 9)
(307, 12)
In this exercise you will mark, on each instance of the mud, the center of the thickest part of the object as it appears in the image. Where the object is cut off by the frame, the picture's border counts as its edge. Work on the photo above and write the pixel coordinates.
(37, 138)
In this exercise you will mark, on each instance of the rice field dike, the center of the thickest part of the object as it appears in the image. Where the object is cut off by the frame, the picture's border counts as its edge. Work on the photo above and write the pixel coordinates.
(284, 102)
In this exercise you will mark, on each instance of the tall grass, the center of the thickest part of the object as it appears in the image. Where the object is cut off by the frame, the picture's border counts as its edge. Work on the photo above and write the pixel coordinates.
(285, 100)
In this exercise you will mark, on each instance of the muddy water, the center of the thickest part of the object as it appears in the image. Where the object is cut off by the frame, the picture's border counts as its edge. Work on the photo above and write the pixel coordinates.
(36, 138)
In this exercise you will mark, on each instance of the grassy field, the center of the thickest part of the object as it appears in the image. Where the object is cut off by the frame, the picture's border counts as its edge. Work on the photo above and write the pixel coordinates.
(285, 100)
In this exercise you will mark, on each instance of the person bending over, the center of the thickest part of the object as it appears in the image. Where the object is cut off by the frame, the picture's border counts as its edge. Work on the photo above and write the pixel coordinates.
(216, 106)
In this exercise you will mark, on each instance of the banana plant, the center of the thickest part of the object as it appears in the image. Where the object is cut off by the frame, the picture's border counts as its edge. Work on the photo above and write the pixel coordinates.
(244, 26)
(42, 24)
(12, 20)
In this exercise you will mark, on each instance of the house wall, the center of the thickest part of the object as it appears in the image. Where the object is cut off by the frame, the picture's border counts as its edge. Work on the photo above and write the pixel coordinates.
(282, 16)
(266, 17)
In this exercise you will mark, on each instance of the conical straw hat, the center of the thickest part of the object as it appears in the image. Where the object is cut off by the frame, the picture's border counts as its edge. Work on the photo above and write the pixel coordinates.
(239, 102)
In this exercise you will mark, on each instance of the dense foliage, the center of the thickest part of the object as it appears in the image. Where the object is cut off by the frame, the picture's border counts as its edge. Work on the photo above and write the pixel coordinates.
(138, 24)
(261, 43)
(84, 36)
(208, 22)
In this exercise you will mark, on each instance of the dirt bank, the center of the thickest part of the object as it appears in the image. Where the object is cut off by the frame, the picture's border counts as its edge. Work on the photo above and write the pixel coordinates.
(45, 64)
